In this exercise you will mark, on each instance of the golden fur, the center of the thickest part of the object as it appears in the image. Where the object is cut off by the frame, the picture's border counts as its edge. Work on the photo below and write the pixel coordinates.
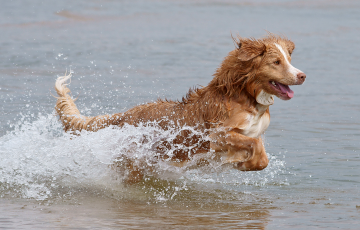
(233, 109)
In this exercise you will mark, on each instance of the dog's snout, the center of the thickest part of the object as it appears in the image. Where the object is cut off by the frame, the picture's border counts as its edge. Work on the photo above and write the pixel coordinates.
(301, 77)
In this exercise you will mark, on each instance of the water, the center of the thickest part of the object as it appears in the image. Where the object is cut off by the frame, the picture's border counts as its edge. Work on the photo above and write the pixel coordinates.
(124, 53)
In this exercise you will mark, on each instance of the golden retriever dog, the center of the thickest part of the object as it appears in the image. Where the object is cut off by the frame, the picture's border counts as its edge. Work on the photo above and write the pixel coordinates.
(232, 110)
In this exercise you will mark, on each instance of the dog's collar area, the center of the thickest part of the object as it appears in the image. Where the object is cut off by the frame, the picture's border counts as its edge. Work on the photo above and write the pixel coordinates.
(265, 98)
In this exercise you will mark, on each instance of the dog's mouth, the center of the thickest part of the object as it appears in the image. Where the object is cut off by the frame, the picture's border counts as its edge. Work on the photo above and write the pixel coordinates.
(284, 91)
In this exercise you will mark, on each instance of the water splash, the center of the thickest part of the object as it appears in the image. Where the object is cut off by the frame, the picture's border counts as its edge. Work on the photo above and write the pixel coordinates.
(40, 161)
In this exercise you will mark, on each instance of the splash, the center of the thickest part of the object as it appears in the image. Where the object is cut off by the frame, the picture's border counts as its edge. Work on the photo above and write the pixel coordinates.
(40, 161)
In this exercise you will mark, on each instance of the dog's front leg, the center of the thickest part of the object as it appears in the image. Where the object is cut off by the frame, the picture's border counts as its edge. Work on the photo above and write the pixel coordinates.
(247, 153)
(258, 160)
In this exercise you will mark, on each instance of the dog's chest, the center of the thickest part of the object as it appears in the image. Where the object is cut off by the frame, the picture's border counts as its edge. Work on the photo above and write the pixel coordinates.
(257, 124)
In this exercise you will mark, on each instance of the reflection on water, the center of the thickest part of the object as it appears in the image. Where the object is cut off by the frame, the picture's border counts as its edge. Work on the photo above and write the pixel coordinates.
(197, 209)
(124, 53)
(127, 214)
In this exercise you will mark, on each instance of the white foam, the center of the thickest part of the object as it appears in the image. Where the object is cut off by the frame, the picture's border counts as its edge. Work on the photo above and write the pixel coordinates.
(39, 160)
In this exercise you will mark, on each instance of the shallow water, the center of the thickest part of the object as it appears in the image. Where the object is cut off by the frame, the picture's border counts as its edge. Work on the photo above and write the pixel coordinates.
(124, 53)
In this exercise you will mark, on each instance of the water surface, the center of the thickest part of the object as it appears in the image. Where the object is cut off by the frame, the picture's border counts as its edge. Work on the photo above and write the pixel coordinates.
(124, 53)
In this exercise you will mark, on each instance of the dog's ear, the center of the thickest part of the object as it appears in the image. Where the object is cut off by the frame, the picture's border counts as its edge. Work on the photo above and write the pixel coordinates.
(250, 49)
(290, 46)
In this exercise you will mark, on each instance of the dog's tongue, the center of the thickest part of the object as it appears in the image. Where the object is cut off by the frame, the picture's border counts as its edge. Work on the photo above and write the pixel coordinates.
(286, 89)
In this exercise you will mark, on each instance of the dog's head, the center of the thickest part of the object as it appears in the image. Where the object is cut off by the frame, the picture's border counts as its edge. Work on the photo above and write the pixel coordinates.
(262, 68)
(273, 73)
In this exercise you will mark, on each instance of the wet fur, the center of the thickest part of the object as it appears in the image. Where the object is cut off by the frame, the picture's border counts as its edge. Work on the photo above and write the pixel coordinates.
(226, 109)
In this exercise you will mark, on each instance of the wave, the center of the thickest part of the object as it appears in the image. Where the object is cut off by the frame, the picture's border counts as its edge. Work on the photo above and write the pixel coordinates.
(40, 161)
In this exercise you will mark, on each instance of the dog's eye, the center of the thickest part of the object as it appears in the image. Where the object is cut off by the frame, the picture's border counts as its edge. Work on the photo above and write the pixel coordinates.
(277, 62)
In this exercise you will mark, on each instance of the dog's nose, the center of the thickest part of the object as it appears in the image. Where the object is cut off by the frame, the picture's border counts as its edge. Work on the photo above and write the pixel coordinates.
(301, 77)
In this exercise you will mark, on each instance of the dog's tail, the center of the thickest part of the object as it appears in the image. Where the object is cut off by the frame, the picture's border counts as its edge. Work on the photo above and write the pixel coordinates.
(70, 115)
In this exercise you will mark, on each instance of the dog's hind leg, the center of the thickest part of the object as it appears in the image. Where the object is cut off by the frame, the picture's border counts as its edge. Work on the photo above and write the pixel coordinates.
(132, 172)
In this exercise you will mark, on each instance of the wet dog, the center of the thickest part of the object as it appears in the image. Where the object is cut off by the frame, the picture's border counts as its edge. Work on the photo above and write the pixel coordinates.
(232, 110)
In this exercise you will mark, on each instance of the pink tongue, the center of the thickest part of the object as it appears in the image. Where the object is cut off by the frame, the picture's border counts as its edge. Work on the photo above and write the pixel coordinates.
(286, 89)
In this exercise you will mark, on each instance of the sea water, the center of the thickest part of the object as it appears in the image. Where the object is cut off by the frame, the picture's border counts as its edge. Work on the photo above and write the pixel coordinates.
(125, 53)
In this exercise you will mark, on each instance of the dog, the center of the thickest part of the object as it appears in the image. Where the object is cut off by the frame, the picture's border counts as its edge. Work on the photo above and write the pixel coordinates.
(232, 110)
